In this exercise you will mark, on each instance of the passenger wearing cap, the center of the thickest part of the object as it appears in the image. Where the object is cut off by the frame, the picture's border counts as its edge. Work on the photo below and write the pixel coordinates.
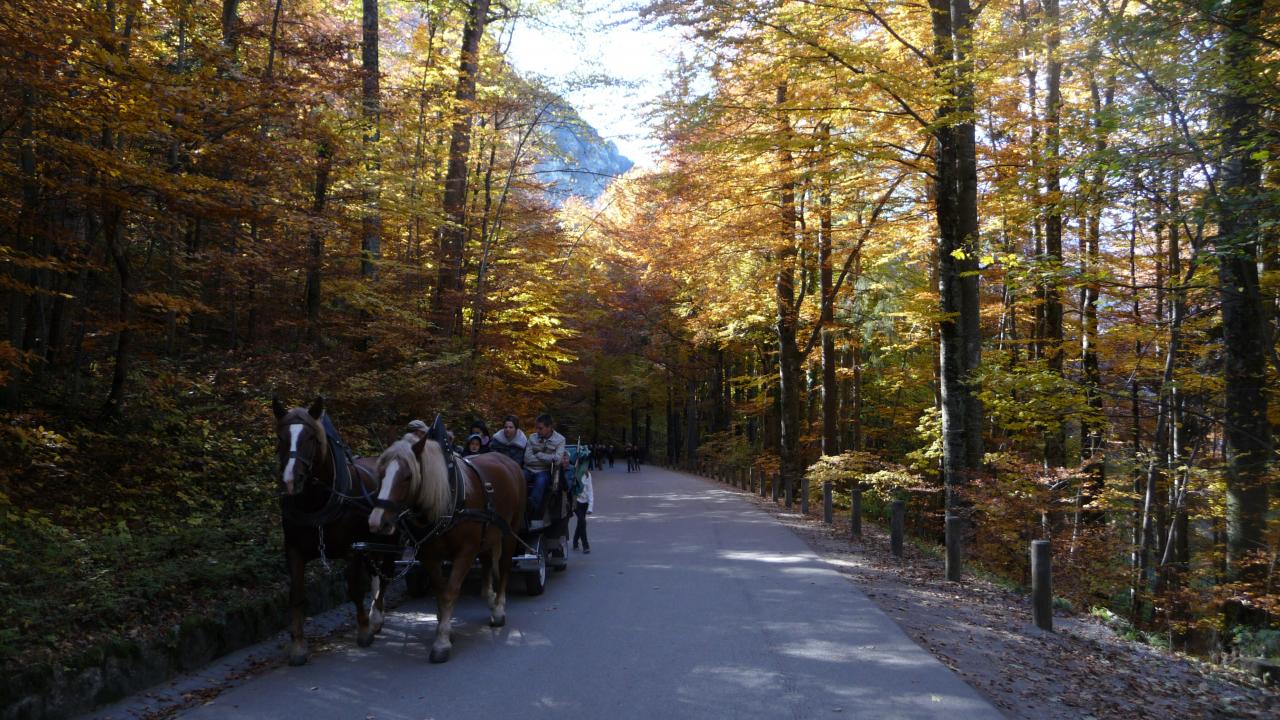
(417, 427)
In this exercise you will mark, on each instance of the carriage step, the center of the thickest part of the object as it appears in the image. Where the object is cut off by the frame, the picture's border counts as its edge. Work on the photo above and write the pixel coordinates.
(376, 548)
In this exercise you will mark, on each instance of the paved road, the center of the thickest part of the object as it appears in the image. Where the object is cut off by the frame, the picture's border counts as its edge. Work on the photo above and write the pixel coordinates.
(693, 604)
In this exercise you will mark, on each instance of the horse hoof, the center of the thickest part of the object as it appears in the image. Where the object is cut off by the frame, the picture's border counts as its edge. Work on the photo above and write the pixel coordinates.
(497, 622)
(439, 655)
(364, 639)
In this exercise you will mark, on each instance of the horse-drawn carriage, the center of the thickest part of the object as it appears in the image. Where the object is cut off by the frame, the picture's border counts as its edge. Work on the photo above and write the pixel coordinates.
(419, 502)
(547, 545)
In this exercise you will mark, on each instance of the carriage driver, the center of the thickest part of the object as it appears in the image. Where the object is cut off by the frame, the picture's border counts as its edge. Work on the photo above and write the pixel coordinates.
(544, 450)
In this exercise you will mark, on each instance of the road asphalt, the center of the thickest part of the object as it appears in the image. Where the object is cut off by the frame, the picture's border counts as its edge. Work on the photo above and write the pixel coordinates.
(692, 604)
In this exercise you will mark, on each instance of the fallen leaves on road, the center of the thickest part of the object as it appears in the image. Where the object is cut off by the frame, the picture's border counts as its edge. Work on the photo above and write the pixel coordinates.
(985, 634)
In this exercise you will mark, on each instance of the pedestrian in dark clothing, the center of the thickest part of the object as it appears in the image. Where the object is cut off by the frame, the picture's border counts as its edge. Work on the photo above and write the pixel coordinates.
(610, 456)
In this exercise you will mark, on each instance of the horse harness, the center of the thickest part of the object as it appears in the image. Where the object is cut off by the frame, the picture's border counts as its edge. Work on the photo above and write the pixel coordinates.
(340, 493)
(417, 534)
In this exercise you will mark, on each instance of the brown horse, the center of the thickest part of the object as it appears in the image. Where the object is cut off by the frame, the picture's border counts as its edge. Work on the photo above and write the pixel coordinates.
(322, 517)
(415, 477)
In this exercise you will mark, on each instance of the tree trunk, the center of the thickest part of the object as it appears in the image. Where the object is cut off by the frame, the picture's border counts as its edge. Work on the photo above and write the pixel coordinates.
(452, 233)
(826, 295)
(1095, 423)
(230, 24)
(371, 109)
(956, 209)
(790, 374)
(113, 231)
(315, 249)
(1055, 439)
(1239, 207)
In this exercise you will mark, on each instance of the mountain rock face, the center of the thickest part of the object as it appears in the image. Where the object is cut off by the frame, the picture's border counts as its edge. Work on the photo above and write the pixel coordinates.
(578, 161)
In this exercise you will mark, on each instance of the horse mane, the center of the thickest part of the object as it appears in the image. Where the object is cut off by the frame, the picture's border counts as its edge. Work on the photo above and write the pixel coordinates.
(428, 475)
(432, 493)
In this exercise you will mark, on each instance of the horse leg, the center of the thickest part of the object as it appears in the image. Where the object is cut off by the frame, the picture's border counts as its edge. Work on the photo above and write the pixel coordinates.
(503, 551)
(486, 572)
(297, 606)
(377, 607)
(356, 572)
(448, 596)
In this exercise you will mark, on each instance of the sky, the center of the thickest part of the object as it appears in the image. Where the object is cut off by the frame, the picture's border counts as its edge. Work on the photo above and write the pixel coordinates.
(606, 41)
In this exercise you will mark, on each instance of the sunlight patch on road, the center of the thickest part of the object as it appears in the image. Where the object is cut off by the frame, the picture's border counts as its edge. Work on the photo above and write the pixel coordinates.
(835, 652)
(765, 557)
(743, 676)
(520, 638)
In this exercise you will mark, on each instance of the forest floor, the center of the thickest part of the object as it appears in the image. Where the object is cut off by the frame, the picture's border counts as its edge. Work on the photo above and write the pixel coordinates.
(984, 632)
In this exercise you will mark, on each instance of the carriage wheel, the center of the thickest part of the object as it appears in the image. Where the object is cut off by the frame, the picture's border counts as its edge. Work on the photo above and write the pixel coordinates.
(535, 583)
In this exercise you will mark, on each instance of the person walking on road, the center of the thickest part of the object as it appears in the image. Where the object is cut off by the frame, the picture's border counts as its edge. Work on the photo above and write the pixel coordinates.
(584, 504)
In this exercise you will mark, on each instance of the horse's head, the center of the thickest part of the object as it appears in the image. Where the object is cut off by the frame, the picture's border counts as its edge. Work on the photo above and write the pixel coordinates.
(399, 474)
(300, 444)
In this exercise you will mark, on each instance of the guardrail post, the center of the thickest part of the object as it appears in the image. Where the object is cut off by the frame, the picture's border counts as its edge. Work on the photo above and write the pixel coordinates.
(790, 491)
(774, 485)
(855, 512)
(955, 525)
(826, 501)
(804, 496)
(897, 525)
(1042, 583)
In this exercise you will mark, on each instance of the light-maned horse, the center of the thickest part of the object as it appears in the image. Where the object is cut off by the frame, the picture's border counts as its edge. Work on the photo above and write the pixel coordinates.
(414, 476)
(322, 521)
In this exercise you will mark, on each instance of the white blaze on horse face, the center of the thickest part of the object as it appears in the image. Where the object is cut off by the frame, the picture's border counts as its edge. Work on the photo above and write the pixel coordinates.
(384, 493)
(295, 431)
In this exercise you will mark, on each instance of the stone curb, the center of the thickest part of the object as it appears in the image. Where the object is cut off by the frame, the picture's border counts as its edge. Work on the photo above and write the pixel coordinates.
(120, 668)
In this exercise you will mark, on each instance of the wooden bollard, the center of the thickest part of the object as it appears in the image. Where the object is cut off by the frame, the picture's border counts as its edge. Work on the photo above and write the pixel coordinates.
(742, 478)
(1042, 583)
(774, 485)
(826, 501)
(790, 491)
(764, 485)
(804, 496)
(897, 525)
(955, 526)
(855, 513)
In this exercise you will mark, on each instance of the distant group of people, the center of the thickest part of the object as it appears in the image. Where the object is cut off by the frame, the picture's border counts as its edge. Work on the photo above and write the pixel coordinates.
(603, 453)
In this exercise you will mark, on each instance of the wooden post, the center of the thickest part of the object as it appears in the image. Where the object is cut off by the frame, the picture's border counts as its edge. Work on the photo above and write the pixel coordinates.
(764, 486)
(955, 525)
(804, 496)
(897, 525)
(774, 486)
(1042, 584)
(790, 492)
(826, 501)
(855, 512)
